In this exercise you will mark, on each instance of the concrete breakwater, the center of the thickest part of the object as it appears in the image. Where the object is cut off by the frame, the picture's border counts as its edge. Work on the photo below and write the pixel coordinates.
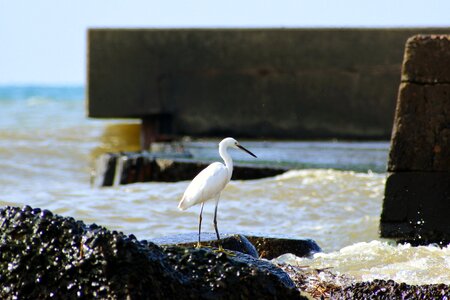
(264, 83)
(131, 167)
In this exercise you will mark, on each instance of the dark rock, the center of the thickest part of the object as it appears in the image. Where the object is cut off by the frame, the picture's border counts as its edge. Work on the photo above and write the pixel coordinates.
(234, 242)
(43, 256)
(272, 247)
(324, 284)
(389, 289)
(47, 256)
(217, 275)
(263, 246)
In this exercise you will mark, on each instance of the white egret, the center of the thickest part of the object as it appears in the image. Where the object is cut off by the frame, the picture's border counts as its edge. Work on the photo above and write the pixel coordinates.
(210, 182)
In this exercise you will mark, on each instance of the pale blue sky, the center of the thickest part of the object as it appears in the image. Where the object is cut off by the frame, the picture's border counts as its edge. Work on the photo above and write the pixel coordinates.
(44, 41)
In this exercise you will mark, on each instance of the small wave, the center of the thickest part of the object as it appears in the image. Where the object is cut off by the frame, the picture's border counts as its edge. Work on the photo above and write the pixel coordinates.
(292, 174)
(35, 101)
(366, 261)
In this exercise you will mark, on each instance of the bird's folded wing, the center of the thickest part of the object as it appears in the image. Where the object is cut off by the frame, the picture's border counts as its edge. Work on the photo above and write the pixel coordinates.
(206, 185)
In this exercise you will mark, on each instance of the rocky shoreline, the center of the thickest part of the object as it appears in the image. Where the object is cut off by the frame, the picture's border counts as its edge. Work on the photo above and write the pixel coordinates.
(44, 255)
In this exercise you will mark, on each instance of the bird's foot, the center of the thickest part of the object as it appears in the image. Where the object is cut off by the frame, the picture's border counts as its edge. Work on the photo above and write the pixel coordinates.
(199, 246)
(222, 250)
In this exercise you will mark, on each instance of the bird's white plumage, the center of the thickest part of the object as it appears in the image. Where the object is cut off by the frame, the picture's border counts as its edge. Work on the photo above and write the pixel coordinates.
(206, 185)
(210, 182)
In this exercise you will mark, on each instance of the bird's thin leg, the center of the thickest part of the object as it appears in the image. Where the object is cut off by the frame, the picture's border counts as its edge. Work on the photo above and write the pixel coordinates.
(215, 223)
(200, 225)
(219, 241)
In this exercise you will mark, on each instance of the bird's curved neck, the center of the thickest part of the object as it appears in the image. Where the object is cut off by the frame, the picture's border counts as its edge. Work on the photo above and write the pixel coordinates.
(227, 159)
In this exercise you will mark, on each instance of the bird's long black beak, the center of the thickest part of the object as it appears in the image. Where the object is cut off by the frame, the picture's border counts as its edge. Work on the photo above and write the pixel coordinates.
(242, 148)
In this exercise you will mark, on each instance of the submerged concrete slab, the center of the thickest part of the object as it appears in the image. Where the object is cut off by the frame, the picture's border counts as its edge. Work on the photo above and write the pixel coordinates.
(265, 83)
(427, 59)
(132, 167)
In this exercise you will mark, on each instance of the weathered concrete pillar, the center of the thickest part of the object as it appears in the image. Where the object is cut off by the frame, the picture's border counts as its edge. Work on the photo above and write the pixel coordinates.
(155, 128)
(417, 196)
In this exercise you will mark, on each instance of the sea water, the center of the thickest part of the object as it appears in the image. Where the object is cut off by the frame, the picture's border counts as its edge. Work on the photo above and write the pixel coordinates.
(333, 193)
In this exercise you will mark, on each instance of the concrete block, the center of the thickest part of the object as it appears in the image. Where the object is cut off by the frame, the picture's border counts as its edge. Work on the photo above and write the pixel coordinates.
(421, 133)
(416, 206)
(264, 83)
(427, 58)
(417, 194)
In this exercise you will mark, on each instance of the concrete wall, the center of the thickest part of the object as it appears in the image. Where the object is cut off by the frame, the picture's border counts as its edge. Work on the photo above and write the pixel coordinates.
(266, 83)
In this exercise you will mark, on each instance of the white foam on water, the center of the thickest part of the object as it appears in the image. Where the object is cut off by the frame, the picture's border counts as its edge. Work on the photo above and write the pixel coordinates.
(367, 261)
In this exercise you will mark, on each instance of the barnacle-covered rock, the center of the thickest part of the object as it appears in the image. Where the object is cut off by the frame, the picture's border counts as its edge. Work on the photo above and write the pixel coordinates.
(256, 245)
(326, 284)
(389, 289)
(234, 242)
(217, 274)
(43, 255)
